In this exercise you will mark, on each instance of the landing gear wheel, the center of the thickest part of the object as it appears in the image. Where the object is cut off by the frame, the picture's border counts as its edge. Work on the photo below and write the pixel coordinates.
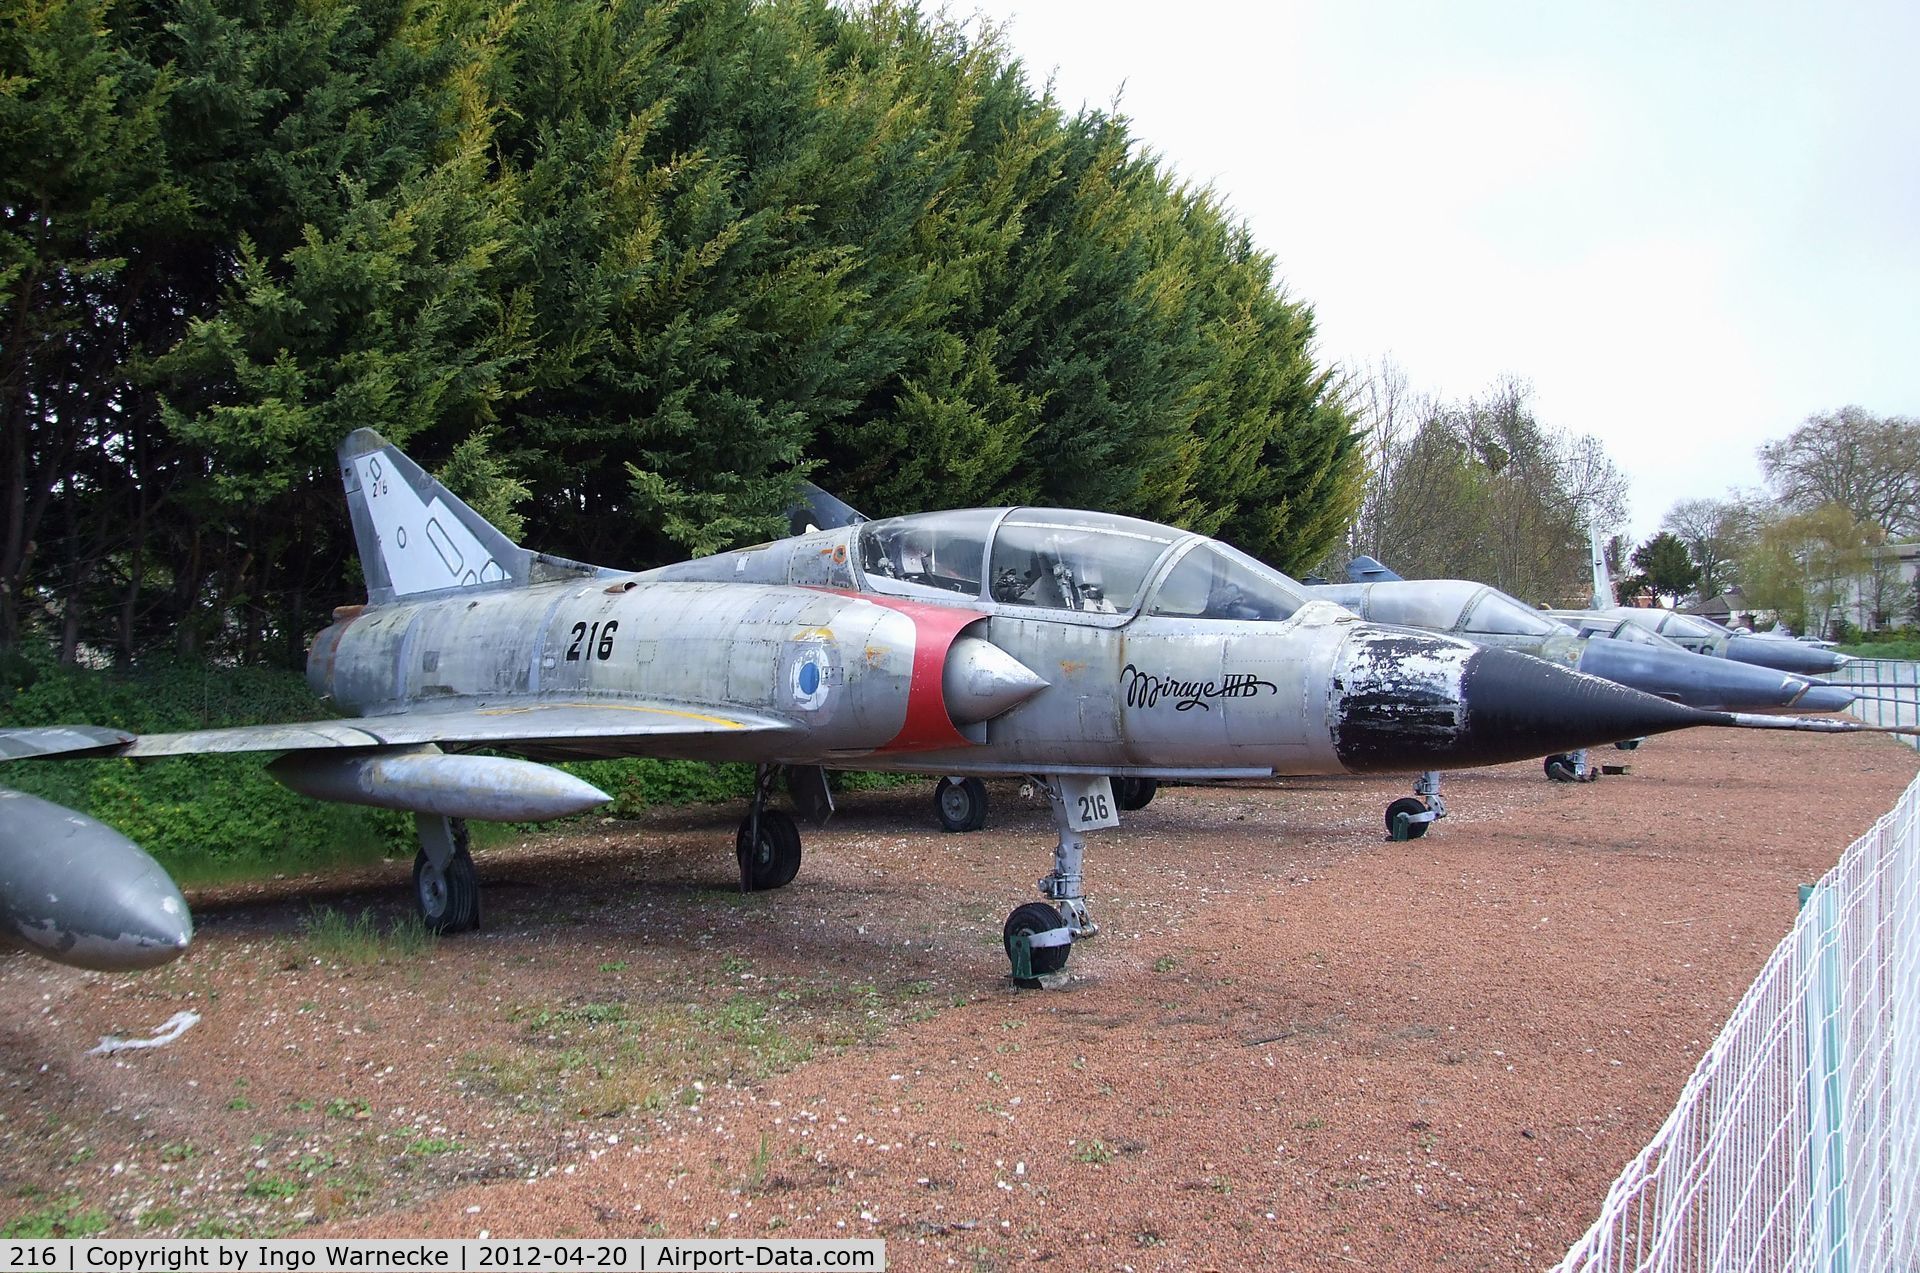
(1134, 793)
(773, 859)
(449, 900)
(1029, 920)
(960, 805)
(1400, 824)
(1560, 768)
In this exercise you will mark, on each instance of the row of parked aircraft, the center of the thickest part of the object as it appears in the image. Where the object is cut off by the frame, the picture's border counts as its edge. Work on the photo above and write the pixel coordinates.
(1072, 648)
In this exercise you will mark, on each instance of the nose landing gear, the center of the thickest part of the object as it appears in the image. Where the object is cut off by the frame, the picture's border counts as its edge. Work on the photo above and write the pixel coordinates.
(1039, 936)
(1409, 817)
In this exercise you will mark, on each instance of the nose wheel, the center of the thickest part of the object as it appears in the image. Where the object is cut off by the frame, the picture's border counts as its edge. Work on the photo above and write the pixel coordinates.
(1572, 766)
(1409, 817)
(1038, 943)
(1040, 935)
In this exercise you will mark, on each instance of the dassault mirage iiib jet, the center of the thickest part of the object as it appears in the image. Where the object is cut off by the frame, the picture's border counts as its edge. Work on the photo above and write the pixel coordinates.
(1624, 653)
(1692, 632)
(1057, 645)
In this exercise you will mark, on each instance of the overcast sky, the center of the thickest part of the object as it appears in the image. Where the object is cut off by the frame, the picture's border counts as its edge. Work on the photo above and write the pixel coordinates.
(1689, 225)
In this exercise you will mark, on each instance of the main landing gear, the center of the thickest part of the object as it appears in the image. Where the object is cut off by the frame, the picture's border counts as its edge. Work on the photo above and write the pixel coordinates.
(1409, 817)
(961, 803)
(1578, 766)
(445, 886)
(768, 842)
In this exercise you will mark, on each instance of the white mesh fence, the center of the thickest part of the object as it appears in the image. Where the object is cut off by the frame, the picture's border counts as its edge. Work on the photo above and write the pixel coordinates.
(1796, 1143)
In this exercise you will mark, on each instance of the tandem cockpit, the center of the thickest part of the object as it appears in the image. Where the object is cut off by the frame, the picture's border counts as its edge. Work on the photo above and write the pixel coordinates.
(1098, 567)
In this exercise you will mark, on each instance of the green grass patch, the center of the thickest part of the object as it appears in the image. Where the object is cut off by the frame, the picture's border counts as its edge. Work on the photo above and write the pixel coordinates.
(428, 1146)
(1893, 649)
(64, 1219)
(358, 939)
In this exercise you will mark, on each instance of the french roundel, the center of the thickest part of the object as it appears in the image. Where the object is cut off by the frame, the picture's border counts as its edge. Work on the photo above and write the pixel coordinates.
(810, 681)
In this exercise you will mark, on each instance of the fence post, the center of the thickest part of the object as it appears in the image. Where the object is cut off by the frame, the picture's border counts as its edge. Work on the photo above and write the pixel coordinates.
(1826, 1101)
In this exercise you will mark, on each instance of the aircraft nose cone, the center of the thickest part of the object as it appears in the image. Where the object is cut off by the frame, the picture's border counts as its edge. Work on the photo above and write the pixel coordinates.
(1410, 702)
(981, 680)
(1788, 656)
(1825, 698)
(1698, 680)
(78, 892)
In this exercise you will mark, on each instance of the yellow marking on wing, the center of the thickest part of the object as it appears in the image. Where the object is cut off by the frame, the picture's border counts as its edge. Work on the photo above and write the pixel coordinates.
(876, 655)
(613, 707)
(813, 634)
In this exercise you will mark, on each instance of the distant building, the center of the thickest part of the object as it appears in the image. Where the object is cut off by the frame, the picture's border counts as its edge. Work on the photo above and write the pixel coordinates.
(1730, 609)
(1888, 601)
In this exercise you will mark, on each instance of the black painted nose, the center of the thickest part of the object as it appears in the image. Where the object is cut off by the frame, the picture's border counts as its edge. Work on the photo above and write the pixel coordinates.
(1408, 702)
(1698, 680)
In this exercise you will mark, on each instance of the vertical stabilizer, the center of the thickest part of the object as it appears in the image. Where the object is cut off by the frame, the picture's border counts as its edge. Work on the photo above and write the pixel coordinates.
(1603, 598)
(415, 536)
(1367, 570)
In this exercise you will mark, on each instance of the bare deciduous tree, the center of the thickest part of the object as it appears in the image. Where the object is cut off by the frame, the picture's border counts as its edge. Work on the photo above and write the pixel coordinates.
(1481, 490)
(1867, 464)
(1717, 534)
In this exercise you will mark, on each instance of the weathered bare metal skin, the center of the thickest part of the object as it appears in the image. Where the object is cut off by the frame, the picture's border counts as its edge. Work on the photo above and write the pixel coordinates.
(484, 788)
(731, 648)
(77, 892)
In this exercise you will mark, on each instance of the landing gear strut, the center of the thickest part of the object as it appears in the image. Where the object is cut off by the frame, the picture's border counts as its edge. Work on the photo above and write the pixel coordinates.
(1409, 817)
(1572, 766)
(445, 886)
(1040, 935)
(768, 842)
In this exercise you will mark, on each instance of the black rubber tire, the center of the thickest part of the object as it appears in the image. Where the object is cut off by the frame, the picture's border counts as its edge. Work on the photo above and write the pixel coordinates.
(1408, 805)
(1559, 768)
(449, 901)
(775, 860)
(1036, 917)
(1133, 794)
(960, 806)
(1630, 744)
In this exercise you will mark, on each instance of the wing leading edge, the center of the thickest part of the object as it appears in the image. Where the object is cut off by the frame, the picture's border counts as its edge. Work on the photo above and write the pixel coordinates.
(556, 728)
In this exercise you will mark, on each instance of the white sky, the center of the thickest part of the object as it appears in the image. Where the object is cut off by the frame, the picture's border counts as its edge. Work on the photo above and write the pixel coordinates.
(1689, 225)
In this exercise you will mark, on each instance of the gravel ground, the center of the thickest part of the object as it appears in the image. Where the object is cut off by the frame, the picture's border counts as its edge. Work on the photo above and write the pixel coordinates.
(1293, 1044)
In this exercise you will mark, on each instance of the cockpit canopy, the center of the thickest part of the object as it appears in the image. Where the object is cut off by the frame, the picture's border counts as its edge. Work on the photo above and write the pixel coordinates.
(1445, 605)
(1686, 627)
(1064, 560)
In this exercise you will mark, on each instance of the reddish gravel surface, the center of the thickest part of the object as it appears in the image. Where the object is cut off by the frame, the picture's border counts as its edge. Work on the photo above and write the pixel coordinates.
(1294, 1045)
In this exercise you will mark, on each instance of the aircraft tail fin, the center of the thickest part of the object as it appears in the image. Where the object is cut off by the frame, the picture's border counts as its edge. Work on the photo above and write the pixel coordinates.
(1367, 570)
(821, 510)
(415, 536)
(1603, 595)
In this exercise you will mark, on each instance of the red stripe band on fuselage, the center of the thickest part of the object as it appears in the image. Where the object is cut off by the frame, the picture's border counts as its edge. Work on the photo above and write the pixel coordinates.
(927, 727)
